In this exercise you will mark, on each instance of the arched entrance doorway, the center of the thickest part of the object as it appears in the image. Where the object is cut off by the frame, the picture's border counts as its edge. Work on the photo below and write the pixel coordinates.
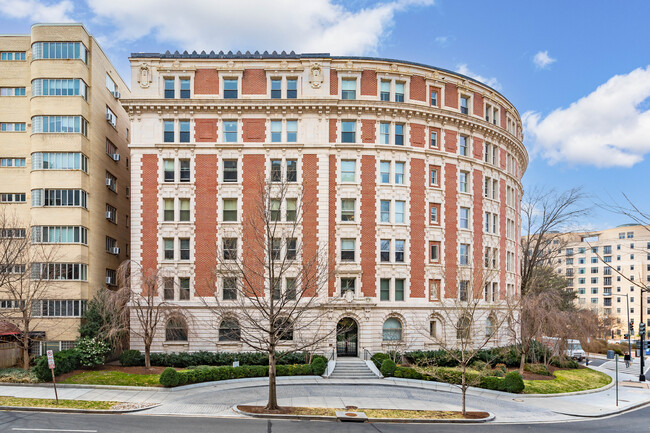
(346, 337)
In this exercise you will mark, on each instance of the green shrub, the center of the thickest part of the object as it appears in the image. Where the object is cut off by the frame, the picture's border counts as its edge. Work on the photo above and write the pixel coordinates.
(409, 373)
(501, 367)
(563, 362)
(131, 358)
(318, 366)
(92, 351)
(491, 382)
(537, 369)
(378, 358)
(479, 365)
(513, 382)
(454, 375)
(65, 361)
(169, 377)
(388, 368)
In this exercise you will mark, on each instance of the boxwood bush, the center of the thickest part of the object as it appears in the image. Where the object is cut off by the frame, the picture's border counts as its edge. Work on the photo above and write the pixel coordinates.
(131, 358)
(512, 383)
(388, 368)
(188, 359)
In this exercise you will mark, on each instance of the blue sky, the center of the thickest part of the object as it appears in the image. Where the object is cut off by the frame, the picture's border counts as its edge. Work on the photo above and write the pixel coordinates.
(577, 71)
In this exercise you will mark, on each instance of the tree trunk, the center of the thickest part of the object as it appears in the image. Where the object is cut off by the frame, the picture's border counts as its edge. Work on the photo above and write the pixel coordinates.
(522, 363)
(147, 355)
(25, 343)
(25, 349)
(463, 389)
(273, 396)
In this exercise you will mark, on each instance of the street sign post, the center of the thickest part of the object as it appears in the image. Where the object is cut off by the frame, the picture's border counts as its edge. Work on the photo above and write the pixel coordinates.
(50, 364)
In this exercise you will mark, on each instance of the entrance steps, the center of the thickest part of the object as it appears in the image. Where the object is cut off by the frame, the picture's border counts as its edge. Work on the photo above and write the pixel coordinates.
(352, 368)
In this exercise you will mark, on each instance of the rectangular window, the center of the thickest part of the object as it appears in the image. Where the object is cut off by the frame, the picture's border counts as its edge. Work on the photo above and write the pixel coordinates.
(12, 56)
(464, 254)
(399, 92)
(184, 289)
(229, 291)
(13, 162)
(464, 218)
(185, 248)
(399, 212)
(168, 213)
(111, 214)
(230, 131)
(347, 209)
(348, 171)
(348, 285)
(399, 134)
(276, 88)
(349, 88)
(184, 131)
(292, 88)
(276, 248)
(292, 205)
(276, 131)
(168, 289)
(292, 131)
(230, 170)
(168, 131)
(464, 104)
(433, 139)
(434, 98)
(462, 290)
(433, 176)
(276, 170)
(384, 211)
(384, 253)
(434, 210)
(292, 248)
(276, 211)
(185, 209)
(169, 170)
(384, 289)
(12, 91)
(58, 125)
(185, 170)
(230, 248)
(384, 172)
(434, 252)
(12, 127)
(384, 94)
(169, 88)
(292, 170)
(399, 173)
(399, 290)
(348, 134)
(463, 181)
(399, 250)
(185, 88)
(462, 148)
(229, 209)
(168, 248)
(348, 250)
(384, 133)
(230, 88)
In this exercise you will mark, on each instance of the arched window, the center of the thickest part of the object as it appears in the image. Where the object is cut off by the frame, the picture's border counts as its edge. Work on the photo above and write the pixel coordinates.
(229, 330)
(176, 329)
(284, 328)
(489, 327)
(463, 328)
(392, 330)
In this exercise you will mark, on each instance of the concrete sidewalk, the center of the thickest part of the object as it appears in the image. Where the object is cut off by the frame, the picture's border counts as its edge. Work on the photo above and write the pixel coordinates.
(218, 398)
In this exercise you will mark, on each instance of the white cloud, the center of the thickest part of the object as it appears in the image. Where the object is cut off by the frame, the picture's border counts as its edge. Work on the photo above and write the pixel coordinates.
(492, 82)
(38, 11)
(542, 60)
(442, 40)
(303, 26)
(607, 128)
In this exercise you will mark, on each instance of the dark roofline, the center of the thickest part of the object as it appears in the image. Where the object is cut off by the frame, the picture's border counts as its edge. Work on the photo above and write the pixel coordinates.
(293, 55)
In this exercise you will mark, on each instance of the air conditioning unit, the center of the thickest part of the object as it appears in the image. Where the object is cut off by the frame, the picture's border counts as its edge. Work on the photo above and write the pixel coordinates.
(109, 117)
(115, 156)
(109, 182)
(109, 281)
(115, 250)
(116, 94)
(109, 215)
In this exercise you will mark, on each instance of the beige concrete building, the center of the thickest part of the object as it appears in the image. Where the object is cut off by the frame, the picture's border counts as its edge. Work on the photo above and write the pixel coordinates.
(605, 268)
(64, 165)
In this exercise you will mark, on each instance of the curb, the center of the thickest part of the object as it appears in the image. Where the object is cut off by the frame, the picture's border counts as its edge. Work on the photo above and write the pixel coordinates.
(70, 410)
(606, 414)
(85, 386)
(491, 417)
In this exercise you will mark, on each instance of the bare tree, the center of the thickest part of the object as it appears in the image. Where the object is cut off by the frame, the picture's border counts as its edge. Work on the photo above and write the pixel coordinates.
(472, 321)
(28, 275)
(545, 215)
(139, 307)
(270, 291)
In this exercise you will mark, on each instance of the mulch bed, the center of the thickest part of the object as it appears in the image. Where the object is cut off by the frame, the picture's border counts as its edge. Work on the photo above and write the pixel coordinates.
(323, 411)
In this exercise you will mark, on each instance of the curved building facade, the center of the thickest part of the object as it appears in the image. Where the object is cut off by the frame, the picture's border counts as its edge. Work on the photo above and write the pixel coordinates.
(415, 172)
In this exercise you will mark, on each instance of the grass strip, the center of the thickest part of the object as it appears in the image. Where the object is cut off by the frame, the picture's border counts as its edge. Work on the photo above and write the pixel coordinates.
(50, 402)
(370, 413)
(116, 378)
(581, 379)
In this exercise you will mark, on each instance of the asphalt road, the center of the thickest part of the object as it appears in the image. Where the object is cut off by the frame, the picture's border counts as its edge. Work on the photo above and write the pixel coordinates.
(36, 422)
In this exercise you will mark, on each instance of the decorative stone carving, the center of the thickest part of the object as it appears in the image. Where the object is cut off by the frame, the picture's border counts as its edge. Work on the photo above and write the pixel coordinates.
(145, 76)
(349, 295)
(393, 67)
(316, 76)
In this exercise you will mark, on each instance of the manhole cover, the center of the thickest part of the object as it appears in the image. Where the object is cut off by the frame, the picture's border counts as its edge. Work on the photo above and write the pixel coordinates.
(350, 414)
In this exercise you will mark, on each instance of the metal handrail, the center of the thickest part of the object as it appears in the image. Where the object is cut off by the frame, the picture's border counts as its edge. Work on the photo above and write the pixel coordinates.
(366, 354)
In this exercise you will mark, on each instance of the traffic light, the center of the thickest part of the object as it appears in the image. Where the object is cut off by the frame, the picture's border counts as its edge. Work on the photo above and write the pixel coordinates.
(626, 336)
(641, 328)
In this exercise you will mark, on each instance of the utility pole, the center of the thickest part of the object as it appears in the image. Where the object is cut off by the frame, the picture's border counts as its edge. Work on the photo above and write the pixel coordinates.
(642, 351)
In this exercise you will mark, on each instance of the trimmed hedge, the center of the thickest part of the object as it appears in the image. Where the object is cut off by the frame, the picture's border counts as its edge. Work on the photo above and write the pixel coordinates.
(379, 358)
(564, 363)
(388, 368)
(187, 359)
(65, 362)
(508, 355)
(171, 377)
(318, 366)
(513, 382)
(537, 369)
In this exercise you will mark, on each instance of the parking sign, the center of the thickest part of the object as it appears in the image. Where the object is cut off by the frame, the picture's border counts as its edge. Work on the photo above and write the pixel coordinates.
(50, 359)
